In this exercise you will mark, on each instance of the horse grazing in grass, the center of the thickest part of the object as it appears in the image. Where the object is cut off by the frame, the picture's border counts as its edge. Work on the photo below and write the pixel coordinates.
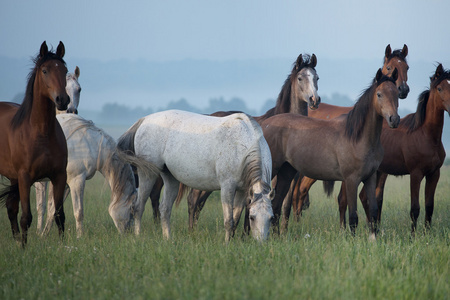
(91, 150)
(415, 148)
(392, 60)
(33, 143)
(298, 92)
(346, 148)
(207, 153)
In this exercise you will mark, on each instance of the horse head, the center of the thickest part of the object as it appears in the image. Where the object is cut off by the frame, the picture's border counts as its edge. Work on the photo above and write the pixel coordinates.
(386, 97)
(304, 80)
(397, 60)
(440, 84)
(260, 214)
(51, 76)
(73, 89)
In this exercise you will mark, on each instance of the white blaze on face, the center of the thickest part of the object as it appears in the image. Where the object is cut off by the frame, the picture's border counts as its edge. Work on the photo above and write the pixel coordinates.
(448, 81)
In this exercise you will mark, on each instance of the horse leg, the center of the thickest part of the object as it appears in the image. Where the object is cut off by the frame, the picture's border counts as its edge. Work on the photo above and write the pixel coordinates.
(239, 204)
(24, 192)
(77, 185)
(370, 187)
(284, 178)
(170, 194)
(145, 186)
(155, 195)
(227, 194)
(41, 204)
(199, 204)
(351, 195)
(379, 192)
(12, 206)
(305, 186)
(430, 188)
(415, 179)
(59, 186)
(342, 201)
(286, 207)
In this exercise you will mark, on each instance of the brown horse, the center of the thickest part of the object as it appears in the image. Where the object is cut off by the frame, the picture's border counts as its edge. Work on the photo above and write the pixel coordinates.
(33, 143)
(346, 148)
(392, 60)
(298, 92)
(415, 148)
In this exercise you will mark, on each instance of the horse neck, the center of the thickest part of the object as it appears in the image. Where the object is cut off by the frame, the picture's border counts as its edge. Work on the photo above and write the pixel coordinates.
(371, 131)
(42, 115)
(434, 118)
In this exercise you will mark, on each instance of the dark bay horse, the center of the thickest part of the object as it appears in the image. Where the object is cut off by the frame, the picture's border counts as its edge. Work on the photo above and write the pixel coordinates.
(392, 60)
(346, 148)
(33, 143)
(415, 148)
(298, 92)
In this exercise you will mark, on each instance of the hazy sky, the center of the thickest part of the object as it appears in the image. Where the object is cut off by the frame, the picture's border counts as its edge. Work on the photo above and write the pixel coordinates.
(220, 30)
(226, 30)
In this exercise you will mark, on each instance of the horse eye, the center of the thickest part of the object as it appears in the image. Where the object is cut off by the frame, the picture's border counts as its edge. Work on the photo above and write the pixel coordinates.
(388, 68)
(44, 71)
(379, 95)
(439, 89)
(252, 218)
(299, 79)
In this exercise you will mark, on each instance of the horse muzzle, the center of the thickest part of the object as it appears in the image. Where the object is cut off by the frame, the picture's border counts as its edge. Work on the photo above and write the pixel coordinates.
(62, 101)
(403, 91)
(394, 121)
(313, 102)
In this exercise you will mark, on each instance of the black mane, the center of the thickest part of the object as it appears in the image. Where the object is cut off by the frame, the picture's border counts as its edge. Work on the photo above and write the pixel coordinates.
(356, 118)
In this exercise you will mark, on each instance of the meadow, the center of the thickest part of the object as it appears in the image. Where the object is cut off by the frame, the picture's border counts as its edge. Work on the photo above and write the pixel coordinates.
(315, 259)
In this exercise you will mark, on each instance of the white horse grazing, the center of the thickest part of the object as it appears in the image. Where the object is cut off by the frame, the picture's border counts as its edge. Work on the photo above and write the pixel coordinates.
(90, 150)
(208, 153)
(73, 89)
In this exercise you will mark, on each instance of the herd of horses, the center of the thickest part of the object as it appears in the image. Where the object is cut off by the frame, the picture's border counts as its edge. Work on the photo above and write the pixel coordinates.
(292, 145)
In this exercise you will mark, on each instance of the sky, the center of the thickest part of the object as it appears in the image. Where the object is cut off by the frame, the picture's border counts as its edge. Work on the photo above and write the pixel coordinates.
(172, 30)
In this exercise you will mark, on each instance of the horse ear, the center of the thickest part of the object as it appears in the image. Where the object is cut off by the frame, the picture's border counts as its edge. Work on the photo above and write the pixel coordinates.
(439, 71)
(313, 61)
(60, 51)
(388, 51)
(405, 50)
(77, 72)
(394, 75)
(272, 194)
(299, 61)
(44, 49)
(379, 75)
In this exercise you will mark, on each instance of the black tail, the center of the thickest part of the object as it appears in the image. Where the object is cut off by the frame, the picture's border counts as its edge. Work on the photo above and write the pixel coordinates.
(328, 187)
(8, 190)
(126, 141)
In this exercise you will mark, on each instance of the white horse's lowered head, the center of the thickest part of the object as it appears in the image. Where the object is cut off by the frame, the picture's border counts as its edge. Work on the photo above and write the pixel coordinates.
(207, 153)
(73, 89)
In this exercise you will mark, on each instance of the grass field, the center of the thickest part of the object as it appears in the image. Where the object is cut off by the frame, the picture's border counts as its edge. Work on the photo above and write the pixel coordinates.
(314, 260)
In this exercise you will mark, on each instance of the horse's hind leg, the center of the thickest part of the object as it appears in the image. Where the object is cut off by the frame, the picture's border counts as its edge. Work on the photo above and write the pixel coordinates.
(12, 206)
(430, 188)
(41, 204)
(200, 201)
(286, 207)
(170, 194)
(284, 178)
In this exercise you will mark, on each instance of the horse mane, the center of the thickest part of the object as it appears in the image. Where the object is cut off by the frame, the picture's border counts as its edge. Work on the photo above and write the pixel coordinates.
(356, 118)
(415, 120)
(24, 110)
(283, 104)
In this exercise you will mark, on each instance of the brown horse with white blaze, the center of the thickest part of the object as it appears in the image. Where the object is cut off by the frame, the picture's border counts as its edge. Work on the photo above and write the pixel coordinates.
(346, 148)
(33, 143)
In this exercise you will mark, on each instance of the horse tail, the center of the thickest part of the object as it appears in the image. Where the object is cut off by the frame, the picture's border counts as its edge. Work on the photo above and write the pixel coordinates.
(328, 187)
(126, 152)
(8, 190)
(181, 192)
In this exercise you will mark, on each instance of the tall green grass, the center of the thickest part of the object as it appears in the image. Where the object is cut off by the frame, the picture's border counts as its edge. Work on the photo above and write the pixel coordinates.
(314, 260)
